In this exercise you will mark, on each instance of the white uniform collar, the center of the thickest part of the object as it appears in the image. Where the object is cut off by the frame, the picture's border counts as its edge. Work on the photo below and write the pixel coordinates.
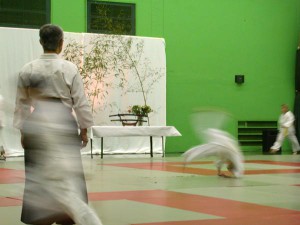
(49, 56)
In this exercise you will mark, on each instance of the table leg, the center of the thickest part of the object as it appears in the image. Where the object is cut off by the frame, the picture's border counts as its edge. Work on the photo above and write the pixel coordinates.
(151, 146)
(101, 147)
(91, 148)
(163, 146)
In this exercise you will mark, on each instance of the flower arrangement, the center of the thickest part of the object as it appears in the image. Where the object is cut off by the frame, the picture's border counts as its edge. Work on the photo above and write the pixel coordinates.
(140, 110)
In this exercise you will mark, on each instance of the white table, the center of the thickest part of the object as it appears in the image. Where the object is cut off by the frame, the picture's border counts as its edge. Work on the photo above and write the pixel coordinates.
(127, 131)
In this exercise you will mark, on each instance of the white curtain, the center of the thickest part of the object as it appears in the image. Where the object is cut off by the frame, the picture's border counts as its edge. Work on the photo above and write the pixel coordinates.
(118, 72)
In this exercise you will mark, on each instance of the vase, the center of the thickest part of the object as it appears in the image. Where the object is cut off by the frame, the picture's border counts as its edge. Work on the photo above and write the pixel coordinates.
(140, 120)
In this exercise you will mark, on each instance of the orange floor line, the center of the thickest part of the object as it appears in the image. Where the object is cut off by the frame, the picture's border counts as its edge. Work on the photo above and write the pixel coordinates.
(11, 176)
(180, 167)
(234, 212)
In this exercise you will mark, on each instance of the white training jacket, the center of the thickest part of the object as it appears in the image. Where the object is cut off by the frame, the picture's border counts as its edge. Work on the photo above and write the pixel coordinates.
(51, 76)
(286, 120)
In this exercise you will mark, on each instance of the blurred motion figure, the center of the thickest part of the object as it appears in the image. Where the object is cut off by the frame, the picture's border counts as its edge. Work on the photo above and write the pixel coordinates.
(2, 151)
(208, 124)
(224, 147)
(49, 89)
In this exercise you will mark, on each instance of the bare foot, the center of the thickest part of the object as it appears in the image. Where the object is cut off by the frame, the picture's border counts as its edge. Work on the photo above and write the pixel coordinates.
(224, 175)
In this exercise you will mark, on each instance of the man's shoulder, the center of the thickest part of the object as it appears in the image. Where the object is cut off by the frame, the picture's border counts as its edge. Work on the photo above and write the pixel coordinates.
(27, 66)
(69, 65)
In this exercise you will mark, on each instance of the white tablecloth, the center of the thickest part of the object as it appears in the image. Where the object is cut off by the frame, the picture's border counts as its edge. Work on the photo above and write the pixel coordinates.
(120, 131)
(115, 140)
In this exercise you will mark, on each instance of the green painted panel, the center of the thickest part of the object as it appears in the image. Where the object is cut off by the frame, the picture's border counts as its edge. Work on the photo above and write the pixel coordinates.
(207, 43)
(69, 14)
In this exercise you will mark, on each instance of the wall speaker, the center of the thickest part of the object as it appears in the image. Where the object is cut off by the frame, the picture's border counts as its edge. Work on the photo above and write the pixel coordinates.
(239, 79)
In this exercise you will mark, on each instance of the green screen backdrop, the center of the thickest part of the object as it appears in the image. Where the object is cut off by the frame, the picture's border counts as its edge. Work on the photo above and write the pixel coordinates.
(208, 42)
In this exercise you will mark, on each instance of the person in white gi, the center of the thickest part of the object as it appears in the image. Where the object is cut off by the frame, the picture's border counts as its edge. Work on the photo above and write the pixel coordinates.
(49, 90)
(222, 145)
(286, 129)
(2, 150)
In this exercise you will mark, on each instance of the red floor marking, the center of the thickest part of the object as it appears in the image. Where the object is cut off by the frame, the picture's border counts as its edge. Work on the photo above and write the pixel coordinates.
(10, 201)
(274, 162)
(234, 212)
(179, 167)
(195, 203)
(272, 171)
(272, 220)
(11, 176)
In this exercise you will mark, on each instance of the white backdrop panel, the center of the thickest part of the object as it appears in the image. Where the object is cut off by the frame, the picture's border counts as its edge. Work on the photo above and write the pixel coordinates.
(126, 71)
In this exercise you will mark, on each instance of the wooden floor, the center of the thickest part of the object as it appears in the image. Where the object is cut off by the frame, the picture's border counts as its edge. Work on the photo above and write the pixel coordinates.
(140, 190)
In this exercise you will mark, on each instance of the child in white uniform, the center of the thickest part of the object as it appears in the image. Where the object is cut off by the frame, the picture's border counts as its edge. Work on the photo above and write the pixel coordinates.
(286, 129)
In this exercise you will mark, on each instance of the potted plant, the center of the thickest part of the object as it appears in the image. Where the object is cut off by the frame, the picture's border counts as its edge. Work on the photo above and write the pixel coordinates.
(140, 111)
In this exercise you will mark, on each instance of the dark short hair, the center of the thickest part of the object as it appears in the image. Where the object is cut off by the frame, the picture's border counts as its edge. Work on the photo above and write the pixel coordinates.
(50, 36)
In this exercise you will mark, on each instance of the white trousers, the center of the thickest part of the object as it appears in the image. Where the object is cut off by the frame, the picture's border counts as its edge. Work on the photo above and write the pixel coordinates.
(283, 133)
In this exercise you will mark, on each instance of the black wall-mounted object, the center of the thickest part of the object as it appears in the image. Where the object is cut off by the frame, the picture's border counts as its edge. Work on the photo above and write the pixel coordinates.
(239, 79)
(269, 137)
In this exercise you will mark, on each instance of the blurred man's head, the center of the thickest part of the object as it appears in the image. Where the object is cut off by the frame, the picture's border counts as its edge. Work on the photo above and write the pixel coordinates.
(51, 38)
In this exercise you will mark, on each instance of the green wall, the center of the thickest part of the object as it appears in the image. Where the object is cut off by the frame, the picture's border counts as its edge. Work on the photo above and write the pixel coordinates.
(69, 14)
(207, 43)
(298, 17)
(211, 41)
